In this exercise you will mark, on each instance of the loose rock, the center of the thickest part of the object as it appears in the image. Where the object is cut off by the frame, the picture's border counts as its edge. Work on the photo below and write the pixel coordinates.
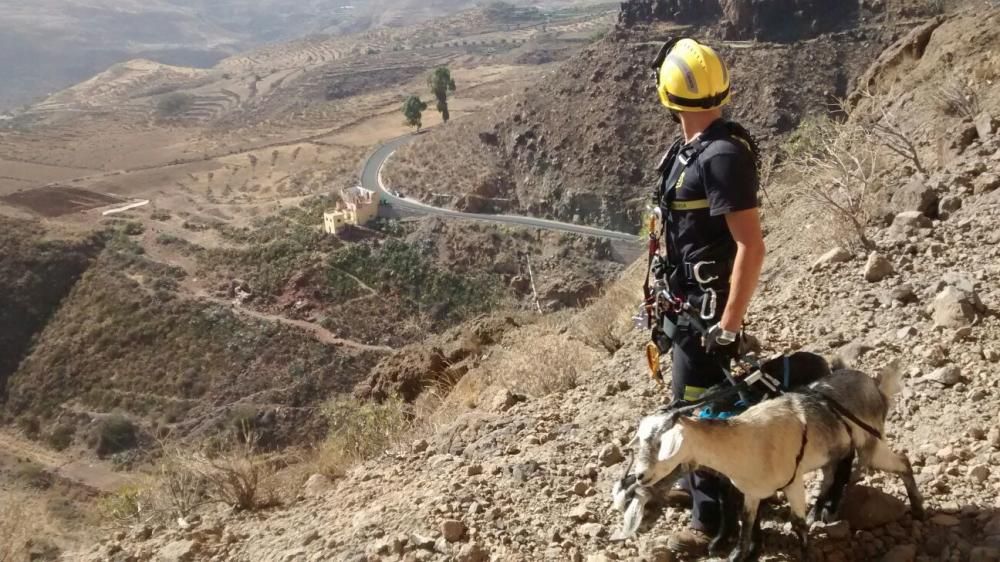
(952, 308)
(836, 255)
(610, 455)
(867, 508)
(878, 268)
(452, 530)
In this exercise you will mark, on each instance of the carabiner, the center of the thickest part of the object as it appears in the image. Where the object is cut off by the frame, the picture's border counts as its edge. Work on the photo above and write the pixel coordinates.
(696, 271)
(708, 301)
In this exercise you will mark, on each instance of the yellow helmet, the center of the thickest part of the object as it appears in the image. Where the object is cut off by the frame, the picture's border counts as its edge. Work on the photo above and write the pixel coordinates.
(691, 76)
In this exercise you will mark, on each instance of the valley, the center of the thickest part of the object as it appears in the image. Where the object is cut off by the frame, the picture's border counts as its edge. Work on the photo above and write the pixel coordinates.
(458, 378)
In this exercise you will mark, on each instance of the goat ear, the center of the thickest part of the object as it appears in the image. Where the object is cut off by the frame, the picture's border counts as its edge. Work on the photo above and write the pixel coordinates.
(633, 518)
(670, 444)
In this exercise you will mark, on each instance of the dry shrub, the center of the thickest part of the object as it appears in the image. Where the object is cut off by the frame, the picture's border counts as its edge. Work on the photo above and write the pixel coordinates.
(958, 98)
(888, 130)
(838, 165)
(125, 507)
(359, 430)
(179, 489)
(239, 478)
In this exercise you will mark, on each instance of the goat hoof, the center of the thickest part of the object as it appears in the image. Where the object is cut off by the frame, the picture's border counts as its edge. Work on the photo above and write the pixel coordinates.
(739, 555)
(828, 515)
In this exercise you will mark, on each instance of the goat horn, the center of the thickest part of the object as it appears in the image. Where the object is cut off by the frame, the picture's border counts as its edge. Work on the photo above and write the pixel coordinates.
(628, 467)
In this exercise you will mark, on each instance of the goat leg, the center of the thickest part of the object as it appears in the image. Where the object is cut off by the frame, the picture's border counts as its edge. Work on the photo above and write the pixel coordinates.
(801, 529)
(795, 493)
(884, 458)
(841, 479)
(912, 492)
(746, 548)
(835, 481)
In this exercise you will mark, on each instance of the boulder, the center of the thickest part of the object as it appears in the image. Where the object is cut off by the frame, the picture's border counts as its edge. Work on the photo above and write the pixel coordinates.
(316, 485)
(949, 204)
(452, 530)
(506, 400)
(178, 551)
(878, 268)
(985, 183)
(916, 196)
(953, 308)
(903, 293)
(836, 255)
(866, 508)
(949, 375)
(985, 125)
(910, 220)
(610, 455)
(979, 473)
(472, 552)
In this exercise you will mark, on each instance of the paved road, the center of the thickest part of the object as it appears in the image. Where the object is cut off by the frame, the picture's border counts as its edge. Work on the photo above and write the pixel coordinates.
(371, 179)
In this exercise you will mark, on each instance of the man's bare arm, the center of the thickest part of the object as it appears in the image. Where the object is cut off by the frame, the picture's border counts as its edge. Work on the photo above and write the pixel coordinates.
(746, 231)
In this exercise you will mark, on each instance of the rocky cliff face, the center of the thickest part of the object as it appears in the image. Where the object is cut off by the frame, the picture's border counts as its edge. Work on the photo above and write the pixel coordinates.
(747, 19)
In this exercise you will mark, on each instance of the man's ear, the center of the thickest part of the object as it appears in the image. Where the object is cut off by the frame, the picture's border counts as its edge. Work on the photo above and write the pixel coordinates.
(670, 443)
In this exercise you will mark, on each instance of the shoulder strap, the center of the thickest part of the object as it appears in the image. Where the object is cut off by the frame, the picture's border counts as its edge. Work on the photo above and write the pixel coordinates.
(663, 168)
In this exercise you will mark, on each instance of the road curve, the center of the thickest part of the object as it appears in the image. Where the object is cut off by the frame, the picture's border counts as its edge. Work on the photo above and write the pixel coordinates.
(371, 178)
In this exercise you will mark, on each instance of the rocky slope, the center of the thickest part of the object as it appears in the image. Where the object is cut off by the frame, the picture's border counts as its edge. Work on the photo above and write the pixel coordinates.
(781, 20)
(528, 479)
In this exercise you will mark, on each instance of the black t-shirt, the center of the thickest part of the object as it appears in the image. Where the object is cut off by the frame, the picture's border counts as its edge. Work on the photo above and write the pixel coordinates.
(725, 174)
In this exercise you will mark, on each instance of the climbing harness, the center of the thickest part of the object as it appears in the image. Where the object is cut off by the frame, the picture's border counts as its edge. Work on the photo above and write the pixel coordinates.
(798, 457)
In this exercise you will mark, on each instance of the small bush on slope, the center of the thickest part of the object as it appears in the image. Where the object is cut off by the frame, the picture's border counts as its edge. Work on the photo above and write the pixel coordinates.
(359, 430)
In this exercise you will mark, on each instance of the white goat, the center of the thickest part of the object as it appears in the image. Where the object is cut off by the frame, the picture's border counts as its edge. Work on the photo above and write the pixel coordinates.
(772, 445)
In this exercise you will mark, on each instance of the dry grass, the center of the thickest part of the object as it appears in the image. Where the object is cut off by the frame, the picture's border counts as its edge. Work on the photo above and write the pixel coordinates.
(602, 325)
(18, 525)
(553, 363)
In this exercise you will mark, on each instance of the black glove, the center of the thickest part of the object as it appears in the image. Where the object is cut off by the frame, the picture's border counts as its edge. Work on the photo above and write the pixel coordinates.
(719, 342)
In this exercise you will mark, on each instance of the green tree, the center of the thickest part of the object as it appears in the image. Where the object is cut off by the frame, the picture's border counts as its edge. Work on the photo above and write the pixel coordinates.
(441, 83)
(413, 107)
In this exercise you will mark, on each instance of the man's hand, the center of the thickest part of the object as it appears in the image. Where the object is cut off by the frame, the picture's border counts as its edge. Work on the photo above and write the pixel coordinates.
(720, 340)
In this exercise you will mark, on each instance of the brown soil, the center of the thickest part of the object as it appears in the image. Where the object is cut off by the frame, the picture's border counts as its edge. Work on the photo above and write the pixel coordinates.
(56, 200)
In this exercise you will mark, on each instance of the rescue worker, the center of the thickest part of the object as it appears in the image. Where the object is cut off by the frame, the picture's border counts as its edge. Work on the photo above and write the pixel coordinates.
(715, 248)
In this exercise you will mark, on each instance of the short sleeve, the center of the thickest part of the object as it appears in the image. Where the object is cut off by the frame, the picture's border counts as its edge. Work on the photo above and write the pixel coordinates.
(730, 182)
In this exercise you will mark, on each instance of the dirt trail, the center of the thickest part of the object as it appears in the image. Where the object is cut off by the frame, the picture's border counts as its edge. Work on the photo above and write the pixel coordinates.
(321, 333)
(92, 473)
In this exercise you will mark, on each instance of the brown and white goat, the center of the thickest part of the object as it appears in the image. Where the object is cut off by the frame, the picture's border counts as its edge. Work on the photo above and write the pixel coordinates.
(774, 444)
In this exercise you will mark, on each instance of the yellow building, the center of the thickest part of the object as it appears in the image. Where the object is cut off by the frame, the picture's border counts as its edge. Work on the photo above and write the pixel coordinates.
(357, 206)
